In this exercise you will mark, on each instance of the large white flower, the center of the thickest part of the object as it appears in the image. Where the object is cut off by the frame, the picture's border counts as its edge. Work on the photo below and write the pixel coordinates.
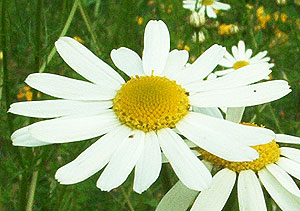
(241, 57)
(208, 5)
(137, 117)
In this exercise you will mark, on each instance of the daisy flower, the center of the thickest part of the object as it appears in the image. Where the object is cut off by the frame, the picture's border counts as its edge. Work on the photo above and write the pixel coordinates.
(137, 118)
(241, 57)
(208, 5)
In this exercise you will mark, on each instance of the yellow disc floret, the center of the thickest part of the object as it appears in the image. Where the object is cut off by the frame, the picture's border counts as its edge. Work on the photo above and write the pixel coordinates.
(240, 64)
(207, 2)
(150, 103)
(268, 153)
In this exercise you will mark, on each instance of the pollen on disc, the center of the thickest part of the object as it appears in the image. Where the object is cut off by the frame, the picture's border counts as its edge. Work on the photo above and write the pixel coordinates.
(150, 103)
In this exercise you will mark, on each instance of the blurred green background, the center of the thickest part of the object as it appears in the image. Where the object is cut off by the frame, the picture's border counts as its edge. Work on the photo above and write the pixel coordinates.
(28, 32)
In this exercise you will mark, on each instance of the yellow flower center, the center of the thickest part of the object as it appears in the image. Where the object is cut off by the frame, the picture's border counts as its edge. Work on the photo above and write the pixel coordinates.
(207, 2)
(240, 64)
(268, 153)
(150, 103)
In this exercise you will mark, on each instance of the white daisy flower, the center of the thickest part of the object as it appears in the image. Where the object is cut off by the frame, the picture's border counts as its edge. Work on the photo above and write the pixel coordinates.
(241, 57)
(138, 118)
(205, 5)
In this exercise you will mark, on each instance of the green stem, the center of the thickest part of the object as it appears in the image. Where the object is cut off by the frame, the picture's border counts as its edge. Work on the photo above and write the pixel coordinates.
(32, 190)
(88, 24)
(275, 119)
(259, 110)
(127, 199)
(63, 32)
(97, 6)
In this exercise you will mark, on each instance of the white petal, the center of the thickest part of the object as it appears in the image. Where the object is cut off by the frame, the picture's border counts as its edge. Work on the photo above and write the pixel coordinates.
(258, 57)
(230, 58)
(250, 193)
(63, 87)
(122, 162)
(128, 61)
(178, 198)
(83, 61)
(235, 53)
(242, 96)
(149, 164)
(57, 108)
(291, 153)
(226, 63)
(241, 49)
(93, 158)
(210, 12)
(284, 199)
(282, 138)
(224, 72)
(235, 114)
(240, 77)
(22, 137)
(248, 54)
(156, 47)
(219, 137)
(175, 62)
(215, 197)
(292, 167)
(64, 130)
(232, 134)
(189, 169)
(213, 112)
(284, 179)
(220, 6)
(204, 65)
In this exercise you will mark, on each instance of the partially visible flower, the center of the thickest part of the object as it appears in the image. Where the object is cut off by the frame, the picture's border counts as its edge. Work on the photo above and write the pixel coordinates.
(283, 17)
(26, 93)
(280, 37)
(197, 19)
(228, 29)
(262, 17)
(170, 7)
(281, 2)
(249, 6)
(140, 20)
(78, 39)
(241, 57)
(187, 48)
(1, 55)
(198, 37)
(205, 5)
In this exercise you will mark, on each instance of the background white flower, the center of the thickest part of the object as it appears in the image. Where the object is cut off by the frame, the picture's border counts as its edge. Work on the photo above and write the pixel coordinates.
(106, 106)
(205, 5)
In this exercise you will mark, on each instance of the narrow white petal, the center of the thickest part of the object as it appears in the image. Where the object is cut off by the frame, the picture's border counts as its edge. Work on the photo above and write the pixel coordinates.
(242, 96)
(175, 63)
(93, 158)
(63, 130)
(258, 57)
(221, 6)
(224, 138)
(213, 112)
(241, 49)
(224, 72)
(225, 63)
(291, 167)
(215, 197)
(235, 114)
(83, 61)
(283, 138)
(248, 54)
(149, 164)
(284, 199)
(189, 169)
(22, 137)
(240, 77)
(203, 66)
(250, 193)
(235, 53)
(156, 47)
(230, 57)
(63, 87)
(57, 108)
(210, 12)
(178, 198)
(122, 162)
(284, 179)
(128, 61)
(220, 137)
(291, 153)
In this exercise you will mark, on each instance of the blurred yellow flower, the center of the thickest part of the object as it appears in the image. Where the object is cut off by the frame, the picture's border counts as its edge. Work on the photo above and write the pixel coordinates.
(25, 92)
(262, 17)
(78, 39)
(170, 7)
(1, 55)
(187, 48)
(140, 20)
(150, 2)
(249, 6)
(228, 29)
(276, 15)
(283, 17)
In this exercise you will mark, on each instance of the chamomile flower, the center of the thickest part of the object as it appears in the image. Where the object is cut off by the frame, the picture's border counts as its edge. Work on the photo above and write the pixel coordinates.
(205, 5)
(137, 118)
(241, 57)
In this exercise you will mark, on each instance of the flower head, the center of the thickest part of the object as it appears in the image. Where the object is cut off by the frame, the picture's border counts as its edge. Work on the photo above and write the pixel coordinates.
(136, 118)
(205, 5)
